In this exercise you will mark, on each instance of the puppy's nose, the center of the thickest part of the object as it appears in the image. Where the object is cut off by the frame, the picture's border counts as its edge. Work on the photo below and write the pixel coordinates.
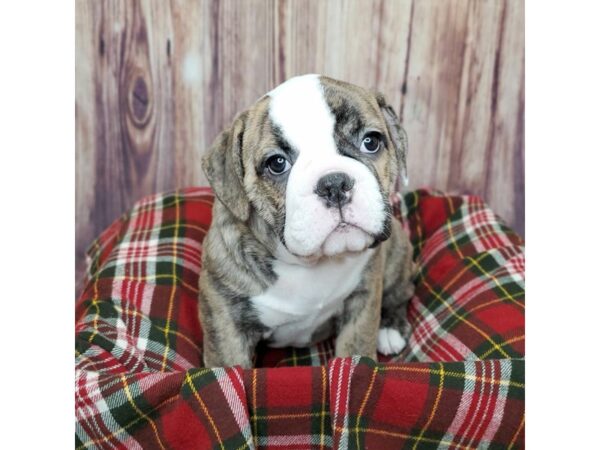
(335, 188)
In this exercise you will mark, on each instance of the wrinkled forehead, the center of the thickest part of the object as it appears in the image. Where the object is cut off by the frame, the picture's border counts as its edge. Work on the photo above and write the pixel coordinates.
(307, 111)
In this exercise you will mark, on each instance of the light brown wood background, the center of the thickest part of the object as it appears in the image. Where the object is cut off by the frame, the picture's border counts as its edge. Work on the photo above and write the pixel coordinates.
(157, 80)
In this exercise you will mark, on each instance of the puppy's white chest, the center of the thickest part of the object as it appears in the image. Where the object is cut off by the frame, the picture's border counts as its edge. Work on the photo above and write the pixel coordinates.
(304, 297)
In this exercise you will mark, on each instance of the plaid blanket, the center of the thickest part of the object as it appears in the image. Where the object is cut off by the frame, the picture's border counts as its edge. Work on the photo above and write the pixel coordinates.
(458, 384)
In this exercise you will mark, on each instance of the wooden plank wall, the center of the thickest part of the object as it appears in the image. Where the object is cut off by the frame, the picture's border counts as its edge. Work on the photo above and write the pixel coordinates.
(157, 80)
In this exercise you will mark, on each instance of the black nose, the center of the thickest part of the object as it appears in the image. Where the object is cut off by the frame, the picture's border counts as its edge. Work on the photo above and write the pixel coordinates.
(335, 188)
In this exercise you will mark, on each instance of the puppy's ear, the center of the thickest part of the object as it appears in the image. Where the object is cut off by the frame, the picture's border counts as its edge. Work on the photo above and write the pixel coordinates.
(397, 133)
(224, 169)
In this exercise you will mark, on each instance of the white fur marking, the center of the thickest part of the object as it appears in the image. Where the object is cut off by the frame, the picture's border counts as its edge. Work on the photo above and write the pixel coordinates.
(305, 296)
(390, 341)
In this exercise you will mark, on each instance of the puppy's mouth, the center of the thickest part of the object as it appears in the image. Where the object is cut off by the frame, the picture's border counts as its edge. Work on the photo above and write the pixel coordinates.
(338, 232)
(346, 227)
(346, 237)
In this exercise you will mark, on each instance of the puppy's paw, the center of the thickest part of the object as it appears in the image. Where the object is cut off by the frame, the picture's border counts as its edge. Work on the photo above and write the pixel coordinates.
(390, 341)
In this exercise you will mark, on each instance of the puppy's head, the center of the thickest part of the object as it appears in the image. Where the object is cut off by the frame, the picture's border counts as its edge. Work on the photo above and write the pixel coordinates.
(315, 158)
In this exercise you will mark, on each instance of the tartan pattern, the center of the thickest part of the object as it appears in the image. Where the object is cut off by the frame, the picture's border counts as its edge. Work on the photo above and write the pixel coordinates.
(458, 384)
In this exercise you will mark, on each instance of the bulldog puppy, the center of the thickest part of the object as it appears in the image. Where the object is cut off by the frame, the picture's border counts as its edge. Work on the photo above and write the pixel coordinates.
(303, 243)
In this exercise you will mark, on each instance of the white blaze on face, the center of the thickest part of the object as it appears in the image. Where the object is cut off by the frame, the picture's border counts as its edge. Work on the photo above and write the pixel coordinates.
(299, 109)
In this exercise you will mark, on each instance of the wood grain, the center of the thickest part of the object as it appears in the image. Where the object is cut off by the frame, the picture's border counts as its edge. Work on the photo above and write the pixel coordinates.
(157, 80)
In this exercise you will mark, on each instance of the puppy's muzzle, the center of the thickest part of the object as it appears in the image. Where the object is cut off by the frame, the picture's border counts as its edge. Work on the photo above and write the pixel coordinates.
(335, 189)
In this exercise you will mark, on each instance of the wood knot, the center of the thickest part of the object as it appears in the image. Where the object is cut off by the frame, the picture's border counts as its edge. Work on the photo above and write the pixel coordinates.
(139, 101)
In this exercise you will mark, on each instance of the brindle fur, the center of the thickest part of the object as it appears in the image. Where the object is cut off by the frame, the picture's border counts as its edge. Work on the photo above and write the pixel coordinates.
(248, 221)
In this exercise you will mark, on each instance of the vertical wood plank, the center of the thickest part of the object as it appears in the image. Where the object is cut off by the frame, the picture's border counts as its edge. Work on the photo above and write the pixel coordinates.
(124, 106)
(85, 136)
(504, 178)
(433, 82)
(194, 69)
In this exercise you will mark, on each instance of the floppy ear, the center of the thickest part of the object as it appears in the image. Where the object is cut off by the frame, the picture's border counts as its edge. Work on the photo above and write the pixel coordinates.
(397, 133)
(225, 172)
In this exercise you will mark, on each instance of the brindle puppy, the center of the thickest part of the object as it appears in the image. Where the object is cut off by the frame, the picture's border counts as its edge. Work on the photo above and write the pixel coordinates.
(303, 243)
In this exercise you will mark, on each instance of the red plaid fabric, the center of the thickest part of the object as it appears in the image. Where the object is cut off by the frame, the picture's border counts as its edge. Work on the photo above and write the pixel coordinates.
(458, 384)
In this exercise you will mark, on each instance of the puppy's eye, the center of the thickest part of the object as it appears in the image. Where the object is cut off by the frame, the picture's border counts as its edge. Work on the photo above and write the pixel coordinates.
(371, 143)
(277, 165)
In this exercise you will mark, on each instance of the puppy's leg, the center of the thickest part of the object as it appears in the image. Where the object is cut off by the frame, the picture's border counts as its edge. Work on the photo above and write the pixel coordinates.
(359, 321)
(225, 343)
(398, 288)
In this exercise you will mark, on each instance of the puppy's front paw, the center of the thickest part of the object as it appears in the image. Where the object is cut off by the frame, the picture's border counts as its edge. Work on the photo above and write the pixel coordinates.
(390, 341)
